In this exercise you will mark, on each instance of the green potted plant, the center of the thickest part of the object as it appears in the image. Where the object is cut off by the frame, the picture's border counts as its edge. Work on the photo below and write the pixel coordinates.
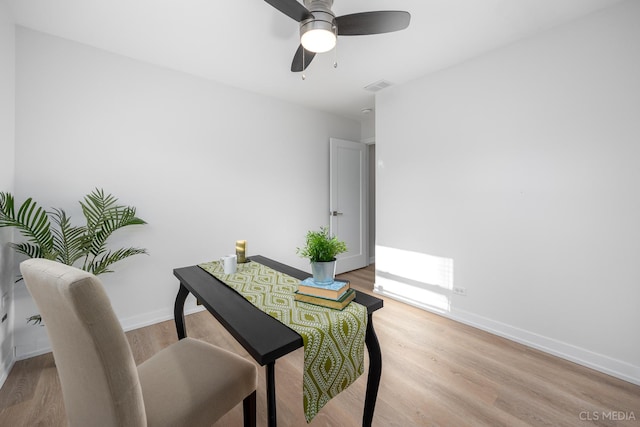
(50, 234)
(322, 249)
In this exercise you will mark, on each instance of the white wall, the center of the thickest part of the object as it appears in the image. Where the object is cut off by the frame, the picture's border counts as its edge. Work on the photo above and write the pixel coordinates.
(7, 88)
(372, 203)
(368, 127)
(205, 164)
(368, 131)
(522, 167)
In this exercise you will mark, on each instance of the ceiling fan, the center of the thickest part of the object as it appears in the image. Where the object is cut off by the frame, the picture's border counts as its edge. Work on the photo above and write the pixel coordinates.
(319, 27)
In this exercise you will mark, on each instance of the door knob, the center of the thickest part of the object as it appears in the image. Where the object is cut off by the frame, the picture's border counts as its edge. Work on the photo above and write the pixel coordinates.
(335, 213)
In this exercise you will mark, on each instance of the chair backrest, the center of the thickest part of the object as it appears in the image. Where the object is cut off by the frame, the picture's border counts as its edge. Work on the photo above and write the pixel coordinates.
(97, 371)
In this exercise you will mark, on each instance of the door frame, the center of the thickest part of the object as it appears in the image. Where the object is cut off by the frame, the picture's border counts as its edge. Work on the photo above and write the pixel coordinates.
(364, 204)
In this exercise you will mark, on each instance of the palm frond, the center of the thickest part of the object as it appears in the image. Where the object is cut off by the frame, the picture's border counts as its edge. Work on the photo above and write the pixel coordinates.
(101, 265)
(31, 220)
(36, 319)
(116, 218)
(94, 207)
(28, 249)
(69, 242)
(104, 216)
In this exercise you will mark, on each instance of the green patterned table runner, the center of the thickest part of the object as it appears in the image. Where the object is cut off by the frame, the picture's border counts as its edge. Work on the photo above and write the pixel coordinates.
(333, 340)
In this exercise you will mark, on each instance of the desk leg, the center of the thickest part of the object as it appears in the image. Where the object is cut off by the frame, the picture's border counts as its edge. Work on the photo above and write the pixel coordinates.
(178, 311)
(375, 371)
(271, 395)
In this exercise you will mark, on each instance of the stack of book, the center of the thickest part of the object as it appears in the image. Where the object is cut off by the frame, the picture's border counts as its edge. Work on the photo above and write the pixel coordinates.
(335, 295)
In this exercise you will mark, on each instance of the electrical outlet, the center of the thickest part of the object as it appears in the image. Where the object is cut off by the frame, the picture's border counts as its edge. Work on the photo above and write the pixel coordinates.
(460, 291)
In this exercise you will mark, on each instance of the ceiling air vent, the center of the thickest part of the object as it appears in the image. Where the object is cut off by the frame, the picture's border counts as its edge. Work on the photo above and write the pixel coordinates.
(378, 86)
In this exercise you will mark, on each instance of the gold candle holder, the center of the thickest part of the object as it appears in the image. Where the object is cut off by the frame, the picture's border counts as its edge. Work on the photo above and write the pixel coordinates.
(241, 251)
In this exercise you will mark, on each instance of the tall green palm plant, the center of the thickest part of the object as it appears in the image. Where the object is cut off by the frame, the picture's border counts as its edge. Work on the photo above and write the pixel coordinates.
(84, 246)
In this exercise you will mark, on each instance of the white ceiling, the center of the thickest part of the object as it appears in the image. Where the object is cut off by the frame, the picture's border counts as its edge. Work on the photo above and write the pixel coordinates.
(249, 44)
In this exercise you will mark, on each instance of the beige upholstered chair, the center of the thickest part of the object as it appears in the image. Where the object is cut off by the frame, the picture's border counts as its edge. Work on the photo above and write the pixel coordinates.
(189, 383)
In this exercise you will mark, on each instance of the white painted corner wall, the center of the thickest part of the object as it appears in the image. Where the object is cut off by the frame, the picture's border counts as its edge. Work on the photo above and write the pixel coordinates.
(7, 142)
(522, 167)
(205, 165)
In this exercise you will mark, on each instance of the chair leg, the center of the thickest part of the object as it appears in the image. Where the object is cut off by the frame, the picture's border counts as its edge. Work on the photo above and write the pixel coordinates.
(249, 410)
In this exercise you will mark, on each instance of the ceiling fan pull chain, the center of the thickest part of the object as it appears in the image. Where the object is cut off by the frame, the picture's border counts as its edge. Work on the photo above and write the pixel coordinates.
(303, 67)
(335, 58)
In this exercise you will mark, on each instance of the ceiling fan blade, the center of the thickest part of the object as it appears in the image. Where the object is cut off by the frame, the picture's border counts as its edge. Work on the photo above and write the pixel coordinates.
(291, 8)
(361, 24)
(296, 65)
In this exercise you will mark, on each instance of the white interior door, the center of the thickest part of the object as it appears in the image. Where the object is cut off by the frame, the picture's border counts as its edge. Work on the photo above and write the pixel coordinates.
(348, 201)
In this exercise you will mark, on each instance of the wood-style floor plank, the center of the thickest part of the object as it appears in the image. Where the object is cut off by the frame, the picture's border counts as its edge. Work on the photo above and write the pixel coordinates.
(436, 372)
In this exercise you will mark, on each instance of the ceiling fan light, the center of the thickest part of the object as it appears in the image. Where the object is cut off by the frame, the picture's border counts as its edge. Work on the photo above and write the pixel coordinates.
(318, 40)
(318, 35)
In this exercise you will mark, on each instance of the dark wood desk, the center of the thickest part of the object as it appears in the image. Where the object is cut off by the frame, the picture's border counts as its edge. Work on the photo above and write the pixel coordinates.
(264, 337)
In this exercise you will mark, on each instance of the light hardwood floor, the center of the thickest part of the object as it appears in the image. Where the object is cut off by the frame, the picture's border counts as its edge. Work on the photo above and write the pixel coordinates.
(436, 372)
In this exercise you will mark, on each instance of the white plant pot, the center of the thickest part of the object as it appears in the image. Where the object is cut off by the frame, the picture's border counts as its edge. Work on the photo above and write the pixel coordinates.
(323, 272)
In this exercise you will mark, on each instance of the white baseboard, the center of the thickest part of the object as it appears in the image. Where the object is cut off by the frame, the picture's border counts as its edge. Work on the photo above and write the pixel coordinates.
(147, 319)
(128, 324)
(6, 371)
(581, 356)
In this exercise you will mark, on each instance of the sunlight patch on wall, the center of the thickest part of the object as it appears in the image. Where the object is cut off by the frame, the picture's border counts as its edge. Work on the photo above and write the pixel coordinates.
(415, 278)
